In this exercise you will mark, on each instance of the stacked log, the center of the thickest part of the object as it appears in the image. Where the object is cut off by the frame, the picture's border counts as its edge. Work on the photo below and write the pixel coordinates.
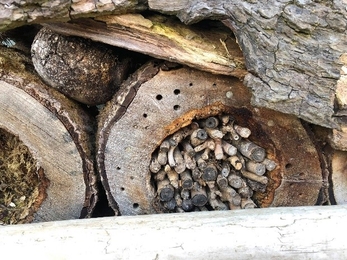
(158, 113)
(46, 163)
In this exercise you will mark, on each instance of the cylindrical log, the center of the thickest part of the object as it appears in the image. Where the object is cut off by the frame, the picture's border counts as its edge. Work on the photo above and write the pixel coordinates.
(57, 133)
(123, 156)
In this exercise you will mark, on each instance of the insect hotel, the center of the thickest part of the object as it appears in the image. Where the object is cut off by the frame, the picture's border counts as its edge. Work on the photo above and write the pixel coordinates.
(185, 129)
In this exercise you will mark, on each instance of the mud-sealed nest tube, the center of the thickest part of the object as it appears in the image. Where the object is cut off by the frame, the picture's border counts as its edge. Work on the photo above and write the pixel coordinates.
(209, 165)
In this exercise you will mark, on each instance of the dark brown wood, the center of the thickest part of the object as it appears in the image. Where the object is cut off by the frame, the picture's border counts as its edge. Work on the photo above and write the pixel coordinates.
(56, 131)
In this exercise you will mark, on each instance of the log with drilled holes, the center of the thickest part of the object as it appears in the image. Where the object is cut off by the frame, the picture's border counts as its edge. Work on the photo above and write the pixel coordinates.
(155, 104)
(46, 165)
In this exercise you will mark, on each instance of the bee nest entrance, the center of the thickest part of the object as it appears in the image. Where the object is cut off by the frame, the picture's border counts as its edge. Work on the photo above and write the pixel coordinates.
(22, 184)
(183, 140)
(209, 165)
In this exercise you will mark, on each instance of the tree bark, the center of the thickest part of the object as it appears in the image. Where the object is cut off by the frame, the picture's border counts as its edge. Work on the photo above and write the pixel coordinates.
(153, 104)
(57, 132)
(294, 52)
(17, 13)
(211, 48)
(274, 233)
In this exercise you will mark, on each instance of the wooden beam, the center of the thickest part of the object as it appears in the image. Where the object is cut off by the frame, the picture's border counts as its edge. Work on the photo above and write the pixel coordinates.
(269, 233)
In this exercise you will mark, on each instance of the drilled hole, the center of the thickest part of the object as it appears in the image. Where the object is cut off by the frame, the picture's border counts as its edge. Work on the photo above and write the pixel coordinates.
(118, 168)
(288, 166)
(190, 84)
(145, 115)
(131, 177)
(135, 205)
(159, 97)
(177, 91)
(214, 85)
(122, 188)
(177, 107)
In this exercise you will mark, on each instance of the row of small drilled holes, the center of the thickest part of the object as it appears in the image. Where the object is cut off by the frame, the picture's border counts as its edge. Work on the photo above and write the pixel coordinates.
(175, 107)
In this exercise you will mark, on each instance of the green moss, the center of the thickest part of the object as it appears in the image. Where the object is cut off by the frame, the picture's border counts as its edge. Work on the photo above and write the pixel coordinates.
(19, 180)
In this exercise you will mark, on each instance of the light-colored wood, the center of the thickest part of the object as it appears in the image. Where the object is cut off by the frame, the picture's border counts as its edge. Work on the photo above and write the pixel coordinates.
(339, 176)
(55, 130)
(273, 233)
(211, 48)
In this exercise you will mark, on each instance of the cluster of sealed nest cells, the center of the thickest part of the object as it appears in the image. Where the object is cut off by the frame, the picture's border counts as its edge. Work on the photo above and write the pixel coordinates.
(209, 165)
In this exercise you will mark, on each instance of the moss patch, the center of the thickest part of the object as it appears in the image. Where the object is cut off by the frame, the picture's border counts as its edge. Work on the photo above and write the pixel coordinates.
(22, 184)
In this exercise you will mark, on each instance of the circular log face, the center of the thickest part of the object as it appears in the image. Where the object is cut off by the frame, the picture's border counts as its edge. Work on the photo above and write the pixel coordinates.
(172, 100)
(55, 131)
(82, 70)
(49, 145)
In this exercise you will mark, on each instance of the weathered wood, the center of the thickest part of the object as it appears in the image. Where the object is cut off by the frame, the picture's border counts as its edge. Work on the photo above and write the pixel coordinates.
(17, 13)
(273, 233)
(56, 130)
(154, 104)
(293, 51)
(339, 176)
(211, 47)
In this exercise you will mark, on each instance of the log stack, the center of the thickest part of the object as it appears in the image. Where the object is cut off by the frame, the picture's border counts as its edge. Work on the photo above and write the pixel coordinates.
(182, 134)
(47, 170)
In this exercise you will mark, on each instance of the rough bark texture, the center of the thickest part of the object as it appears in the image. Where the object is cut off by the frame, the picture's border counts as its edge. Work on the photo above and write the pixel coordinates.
(292, 50)
(16, 13)
(210, 46)
(83, 70)
(155, 103)
(59, 136)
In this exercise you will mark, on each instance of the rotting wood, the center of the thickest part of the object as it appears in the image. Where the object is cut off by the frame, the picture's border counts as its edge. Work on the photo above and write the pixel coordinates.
(85, 71)
(58, 136)
(279, 45)
(272, 233)
(17, 13)
(165, 38)
(154, 113)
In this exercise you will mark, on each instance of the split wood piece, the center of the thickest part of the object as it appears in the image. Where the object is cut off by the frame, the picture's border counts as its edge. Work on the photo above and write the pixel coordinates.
(14, 15)
(209, 48)
(284, 40)
(288, 234)
(135, 122)
(58, 134)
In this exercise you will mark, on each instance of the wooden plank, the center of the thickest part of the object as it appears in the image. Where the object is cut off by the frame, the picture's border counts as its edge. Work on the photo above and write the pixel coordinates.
(211, 48)
(272, 233)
